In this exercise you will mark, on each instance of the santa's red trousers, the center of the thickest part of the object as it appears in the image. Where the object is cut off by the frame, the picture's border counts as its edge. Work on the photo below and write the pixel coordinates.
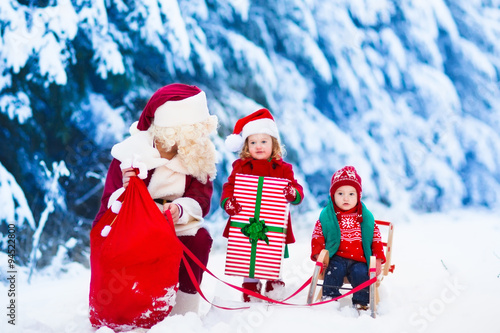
(200, 244)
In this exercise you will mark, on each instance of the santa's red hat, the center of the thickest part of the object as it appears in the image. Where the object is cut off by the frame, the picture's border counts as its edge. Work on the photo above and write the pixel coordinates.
(259, 122)
(346, 176)
(173, 105)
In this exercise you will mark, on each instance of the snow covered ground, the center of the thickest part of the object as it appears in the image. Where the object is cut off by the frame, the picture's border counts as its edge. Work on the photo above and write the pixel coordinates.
(447, 278)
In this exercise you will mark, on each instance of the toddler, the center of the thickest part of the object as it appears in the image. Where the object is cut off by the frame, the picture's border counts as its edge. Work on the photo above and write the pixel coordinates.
(349, 232)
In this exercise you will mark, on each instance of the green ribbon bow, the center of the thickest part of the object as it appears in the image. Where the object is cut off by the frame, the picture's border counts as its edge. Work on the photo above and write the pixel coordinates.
(256, 230)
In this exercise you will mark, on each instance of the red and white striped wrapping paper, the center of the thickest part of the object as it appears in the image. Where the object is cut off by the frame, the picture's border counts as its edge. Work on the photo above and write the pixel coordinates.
(274, 211)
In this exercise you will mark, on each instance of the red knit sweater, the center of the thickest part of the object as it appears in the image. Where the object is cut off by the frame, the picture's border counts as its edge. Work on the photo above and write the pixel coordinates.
(350, 239)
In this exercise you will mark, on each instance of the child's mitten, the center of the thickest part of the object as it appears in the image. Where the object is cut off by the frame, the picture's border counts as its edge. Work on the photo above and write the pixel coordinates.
(232, 207)
(290, 193)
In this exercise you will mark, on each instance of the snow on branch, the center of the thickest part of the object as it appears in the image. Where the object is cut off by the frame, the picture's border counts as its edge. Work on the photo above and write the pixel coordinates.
(53, 196)
(13, 203)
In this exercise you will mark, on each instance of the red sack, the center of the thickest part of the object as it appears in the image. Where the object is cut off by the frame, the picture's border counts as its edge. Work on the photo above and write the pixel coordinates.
(135, 269)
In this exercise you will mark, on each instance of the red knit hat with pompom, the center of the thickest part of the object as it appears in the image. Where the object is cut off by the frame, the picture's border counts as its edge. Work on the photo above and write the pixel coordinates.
(346, 176)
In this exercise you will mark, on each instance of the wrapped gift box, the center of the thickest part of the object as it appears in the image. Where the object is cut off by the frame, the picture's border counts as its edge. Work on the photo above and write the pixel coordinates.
(257, 234)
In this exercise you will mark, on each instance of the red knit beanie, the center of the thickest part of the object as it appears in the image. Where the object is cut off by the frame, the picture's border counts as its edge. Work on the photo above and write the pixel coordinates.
(346, 176)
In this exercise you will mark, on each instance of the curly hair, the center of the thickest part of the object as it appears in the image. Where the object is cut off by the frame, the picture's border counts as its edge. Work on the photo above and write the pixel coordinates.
(194, 147)
(278, 150)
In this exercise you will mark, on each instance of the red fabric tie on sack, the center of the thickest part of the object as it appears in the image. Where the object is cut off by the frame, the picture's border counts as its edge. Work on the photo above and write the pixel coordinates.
(135, 269)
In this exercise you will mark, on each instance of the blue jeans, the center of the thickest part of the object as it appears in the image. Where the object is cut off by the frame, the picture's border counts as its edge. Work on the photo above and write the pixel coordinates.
(356, 273)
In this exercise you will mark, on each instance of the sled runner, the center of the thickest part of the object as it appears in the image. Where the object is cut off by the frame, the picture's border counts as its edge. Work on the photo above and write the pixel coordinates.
(323, 260)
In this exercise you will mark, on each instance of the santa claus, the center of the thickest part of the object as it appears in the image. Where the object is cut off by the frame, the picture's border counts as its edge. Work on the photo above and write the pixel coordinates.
(170, 149)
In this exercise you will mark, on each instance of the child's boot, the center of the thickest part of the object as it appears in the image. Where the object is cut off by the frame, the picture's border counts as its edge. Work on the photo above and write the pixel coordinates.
(252, 286)
(275, 289)
(361, 307)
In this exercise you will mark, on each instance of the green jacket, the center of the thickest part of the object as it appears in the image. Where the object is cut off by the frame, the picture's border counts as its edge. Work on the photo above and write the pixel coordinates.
(331, 230)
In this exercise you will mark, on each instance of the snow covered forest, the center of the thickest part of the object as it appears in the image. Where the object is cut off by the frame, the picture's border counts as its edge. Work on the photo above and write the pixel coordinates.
(406, 91)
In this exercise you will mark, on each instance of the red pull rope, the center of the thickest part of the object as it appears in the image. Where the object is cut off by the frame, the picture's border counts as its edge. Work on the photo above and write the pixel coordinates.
(246, 291)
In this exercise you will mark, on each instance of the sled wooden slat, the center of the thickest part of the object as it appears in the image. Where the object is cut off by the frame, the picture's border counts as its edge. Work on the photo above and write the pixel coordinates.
(318, 274)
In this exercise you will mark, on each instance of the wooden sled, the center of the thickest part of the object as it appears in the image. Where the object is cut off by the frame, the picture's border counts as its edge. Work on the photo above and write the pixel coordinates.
(324, 258)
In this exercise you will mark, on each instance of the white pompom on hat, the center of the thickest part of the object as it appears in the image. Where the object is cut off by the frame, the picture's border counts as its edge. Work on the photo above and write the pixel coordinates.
(259, 122)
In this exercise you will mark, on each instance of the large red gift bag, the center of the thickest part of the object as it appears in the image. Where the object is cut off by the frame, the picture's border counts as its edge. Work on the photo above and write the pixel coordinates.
(135, 268)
